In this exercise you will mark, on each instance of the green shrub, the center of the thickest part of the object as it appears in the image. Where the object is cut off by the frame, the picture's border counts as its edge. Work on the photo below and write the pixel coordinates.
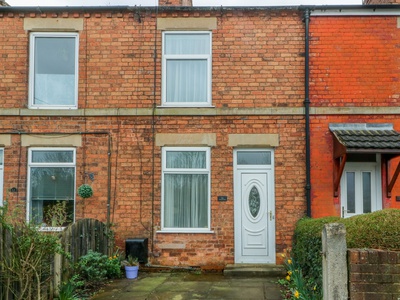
(25, 269)
(307, 247)
(377, 230)
(94, 268)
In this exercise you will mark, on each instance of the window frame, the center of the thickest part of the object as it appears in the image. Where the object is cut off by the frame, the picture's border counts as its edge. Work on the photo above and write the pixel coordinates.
(206, 170)
(1, 176)
(47, 164)
(166, 57)
(31, 93)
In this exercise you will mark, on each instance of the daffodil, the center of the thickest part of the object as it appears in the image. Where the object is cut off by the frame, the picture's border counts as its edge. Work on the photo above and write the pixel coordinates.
(296, 294)
(288, 278)
(290, 273)
(289, 261)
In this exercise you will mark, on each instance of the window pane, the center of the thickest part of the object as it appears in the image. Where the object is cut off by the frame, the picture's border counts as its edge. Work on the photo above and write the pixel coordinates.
(52, 213)
(52, 183)
(44, 156)
(181, 43)
(351, 192)
(366, 182)
(186, 159)
(186, 80)
(54, 69)
(49, 185)
(1, 157)
(254, 158)
(186, 201)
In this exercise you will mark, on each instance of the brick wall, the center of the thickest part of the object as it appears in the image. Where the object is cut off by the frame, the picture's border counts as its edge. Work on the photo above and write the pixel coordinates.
(374, 274)
(257, 65)
(366, 2)
(353, 75)
(343, 77)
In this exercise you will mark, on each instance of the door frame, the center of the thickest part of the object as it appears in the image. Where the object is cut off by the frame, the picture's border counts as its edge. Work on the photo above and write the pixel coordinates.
(270, 213)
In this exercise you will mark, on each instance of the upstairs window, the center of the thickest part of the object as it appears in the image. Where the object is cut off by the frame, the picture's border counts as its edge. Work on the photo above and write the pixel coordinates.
(53, 76)
(186, 75)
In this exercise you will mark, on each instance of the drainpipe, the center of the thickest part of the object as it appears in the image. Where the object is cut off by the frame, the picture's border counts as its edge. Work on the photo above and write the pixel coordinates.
(307, 110)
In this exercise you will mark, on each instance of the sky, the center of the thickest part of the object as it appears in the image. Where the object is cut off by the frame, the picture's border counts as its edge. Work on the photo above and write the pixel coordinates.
(195, 2)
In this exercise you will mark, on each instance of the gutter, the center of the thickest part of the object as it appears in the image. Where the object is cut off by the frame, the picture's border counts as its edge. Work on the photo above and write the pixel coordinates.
(307, 110)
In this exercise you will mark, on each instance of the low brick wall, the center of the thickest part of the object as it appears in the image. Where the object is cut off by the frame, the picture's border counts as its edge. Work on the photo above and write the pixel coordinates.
(374, 274)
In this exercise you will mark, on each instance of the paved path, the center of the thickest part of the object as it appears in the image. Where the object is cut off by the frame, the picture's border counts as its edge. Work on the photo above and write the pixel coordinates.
(187, 286)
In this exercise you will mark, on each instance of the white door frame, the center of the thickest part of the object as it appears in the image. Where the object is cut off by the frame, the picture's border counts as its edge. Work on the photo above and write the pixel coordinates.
(269, 212)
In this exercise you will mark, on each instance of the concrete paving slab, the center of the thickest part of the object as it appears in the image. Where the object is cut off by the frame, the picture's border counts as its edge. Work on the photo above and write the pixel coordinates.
(186, 286)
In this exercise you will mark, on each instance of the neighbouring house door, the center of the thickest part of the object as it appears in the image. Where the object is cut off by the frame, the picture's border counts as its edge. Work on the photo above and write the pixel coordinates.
(360, 189)
(254, 207)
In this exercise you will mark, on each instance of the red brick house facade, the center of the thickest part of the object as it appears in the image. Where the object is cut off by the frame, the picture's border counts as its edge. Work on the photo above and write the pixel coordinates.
(112, 122)
(354, 73)
(189, 123)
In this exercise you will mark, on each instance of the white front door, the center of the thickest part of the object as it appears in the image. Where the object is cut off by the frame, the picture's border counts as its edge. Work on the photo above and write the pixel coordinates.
(360, 189)
(254, 207)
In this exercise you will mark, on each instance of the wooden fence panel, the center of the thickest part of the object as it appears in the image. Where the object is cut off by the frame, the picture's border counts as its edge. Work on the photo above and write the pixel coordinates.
(82, 236)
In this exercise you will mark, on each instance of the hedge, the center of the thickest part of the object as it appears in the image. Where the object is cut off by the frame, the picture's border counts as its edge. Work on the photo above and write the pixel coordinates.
(377, 230)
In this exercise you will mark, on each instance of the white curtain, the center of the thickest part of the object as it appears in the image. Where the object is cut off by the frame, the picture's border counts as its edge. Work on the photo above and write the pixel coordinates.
(186, 201)
(187, 67)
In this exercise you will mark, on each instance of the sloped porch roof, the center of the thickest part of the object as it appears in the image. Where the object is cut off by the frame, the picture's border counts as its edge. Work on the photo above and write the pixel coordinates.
(364, 138)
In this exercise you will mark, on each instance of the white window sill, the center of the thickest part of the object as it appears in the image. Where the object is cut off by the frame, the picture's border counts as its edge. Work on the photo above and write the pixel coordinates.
(53, 107)
(185, 106)
(51, 229)
(184, 231)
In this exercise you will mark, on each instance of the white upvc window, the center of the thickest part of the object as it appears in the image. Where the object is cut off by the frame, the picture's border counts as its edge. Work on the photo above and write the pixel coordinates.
(1, 175)
(53, 70)
(186, 68)
(51, 186)
(185, 189)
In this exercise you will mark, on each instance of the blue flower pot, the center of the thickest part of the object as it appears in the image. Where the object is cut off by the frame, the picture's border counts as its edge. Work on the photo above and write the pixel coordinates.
(131, 272)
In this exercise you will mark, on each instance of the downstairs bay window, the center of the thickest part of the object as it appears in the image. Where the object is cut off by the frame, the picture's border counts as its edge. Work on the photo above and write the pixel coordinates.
(186, 189)
(51, 186)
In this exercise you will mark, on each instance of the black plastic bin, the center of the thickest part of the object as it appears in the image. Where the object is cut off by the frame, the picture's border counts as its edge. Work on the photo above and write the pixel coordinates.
(137, 247)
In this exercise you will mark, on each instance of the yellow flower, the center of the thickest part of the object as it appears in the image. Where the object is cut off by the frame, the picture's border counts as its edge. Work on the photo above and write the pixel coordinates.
(289, 261)
(288, 278)
(283, 255)
(296, 294)
(115, 257)
(290, 273)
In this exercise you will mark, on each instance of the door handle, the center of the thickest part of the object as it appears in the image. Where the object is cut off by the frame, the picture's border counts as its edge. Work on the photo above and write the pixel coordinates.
(271, 216)
(343, 211)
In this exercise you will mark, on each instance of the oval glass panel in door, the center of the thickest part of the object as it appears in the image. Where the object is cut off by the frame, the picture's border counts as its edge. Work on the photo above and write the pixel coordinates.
(254, 201)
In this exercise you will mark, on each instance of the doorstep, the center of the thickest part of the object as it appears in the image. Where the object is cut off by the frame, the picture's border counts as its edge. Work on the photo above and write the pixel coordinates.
(254, 270)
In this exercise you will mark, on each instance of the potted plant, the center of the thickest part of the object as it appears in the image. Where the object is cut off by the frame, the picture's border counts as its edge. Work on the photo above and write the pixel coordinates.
(131, 265)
